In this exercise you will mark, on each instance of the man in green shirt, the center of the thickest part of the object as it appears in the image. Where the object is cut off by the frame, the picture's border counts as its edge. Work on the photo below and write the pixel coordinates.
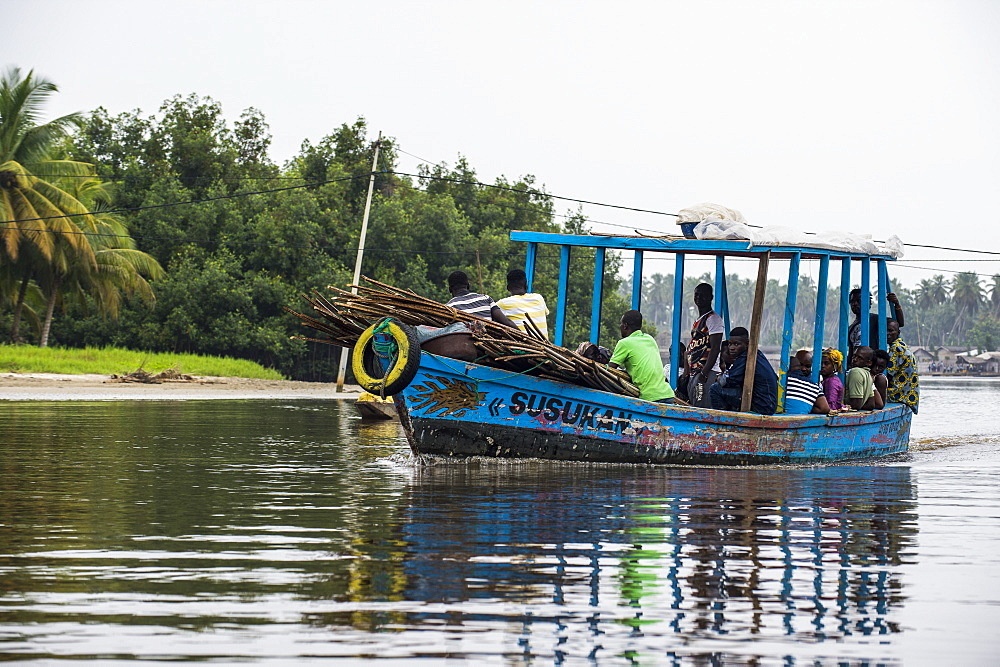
(639, 355)
(859, 390)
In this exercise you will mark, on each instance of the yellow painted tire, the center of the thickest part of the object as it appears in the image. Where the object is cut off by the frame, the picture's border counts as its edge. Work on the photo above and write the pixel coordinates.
(400, 367)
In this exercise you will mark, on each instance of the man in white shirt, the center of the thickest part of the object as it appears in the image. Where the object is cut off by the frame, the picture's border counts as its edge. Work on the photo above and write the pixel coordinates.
(523, 305)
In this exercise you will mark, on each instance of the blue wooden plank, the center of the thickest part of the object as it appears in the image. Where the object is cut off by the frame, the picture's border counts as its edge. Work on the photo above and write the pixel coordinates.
(530, 256)
(888, 282)
(787, 330)
(845, 311)
(563, 289)
(821, 290)
(637, 280)
(883, 290)
(705, 246)
(721, 292)
(866, 299)
(675, 320)
(598, 296)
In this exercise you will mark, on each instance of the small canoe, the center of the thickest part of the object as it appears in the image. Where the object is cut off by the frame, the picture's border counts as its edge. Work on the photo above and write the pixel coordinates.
(370, 406)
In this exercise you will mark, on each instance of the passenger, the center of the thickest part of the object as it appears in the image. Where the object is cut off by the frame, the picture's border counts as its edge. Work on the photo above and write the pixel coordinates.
(904, 382)
(803, 396)
(833, 388)
(522, 305)
(860, 390)
(639, 355)
(725, 359)
(470, 302)
(680, 391)
(666, 366)
(727, 392)
(880, 361)
(854, 330)
(702, 367)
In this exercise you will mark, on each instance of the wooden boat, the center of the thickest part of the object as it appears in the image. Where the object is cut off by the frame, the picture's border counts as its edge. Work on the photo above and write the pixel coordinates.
(370, 406)
(460, 408)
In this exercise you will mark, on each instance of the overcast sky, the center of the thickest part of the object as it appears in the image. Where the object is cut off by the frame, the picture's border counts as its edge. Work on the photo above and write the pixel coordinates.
(869, 117)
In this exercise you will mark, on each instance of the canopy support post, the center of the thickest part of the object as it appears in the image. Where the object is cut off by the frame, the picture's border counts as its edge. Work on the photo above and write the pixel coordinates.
(529, 263)
(563, 288)
(637, 280)
(598, 297)
(676, 355)
(821, 288)
(845, 312)
(722, 293)
(788, 330)
(883, 290)
(866, 301)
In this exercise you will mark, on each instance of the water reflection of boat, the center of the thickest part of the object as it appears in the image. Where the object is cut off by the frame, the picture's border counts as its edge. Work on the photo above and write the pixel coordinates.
(801, 555)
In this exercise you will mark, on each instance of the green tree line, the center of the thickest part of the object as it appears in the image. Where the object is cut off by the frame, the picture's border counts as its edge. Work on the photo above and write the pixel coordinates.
(176, 232)
(216, 272)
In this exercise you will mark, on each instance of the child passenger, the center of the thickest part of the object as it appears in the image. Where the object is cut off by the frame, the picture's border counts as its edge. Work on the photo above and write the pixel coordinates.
(833, 388)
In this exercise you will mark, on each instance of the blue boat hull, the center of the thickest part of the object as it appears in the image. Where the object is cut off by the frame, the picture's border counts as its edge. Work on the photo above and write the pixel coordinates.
(462, 409)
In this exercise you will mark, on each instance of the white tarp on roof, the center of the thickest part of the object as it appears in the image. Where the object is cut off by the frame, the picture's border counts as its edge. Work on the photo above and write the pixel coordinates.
(721, 223)
(707, 211)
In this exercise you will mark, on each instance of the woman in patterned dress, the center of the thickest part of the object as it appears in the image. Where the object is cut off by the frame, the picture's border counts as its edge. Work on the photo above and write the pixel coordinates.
(904, 383)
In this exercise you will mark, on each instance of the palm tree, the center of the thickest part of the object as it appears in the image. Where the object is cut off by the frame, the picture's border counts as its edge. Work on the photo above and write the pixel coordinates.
(118, 266)
(926, 295)
(967, 295)
(657, 298)
(995, 295)
(939, 289)
(33, 211)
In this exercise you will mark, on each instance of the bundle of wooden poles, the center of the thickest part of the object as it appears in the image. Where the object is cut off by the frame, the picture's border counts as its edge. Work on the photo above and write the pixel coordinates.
(345, 315)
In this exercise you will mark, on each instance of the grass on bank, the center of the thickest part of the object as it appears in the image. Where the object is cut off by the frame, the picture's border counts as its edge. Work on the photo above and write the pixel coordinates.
(118, 361)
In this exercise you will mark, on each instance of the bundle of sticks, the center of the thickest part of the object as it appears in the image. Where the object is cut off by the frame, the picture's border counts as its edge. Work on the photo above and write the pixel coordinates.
(346, 315)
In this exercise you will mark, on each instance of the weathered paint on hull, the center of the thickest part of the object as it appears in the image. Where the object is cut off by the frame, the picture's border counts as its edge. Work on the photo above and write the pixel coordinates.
(455, 408)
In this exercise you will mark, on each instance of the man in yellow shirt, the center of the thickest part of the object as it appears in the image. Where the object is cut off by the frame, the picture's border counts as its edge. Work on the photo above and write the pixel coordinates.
(522, 305)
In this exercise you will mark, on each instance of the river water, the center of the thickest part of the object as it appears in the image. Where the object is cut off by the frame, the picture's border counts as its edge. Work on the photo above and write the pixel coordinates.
(289, 532)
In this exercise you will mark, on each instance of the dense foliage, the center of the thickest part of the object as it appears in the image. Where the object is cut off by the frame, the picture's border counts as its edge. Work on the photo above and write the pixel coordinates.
(59, 243)
(255, 235)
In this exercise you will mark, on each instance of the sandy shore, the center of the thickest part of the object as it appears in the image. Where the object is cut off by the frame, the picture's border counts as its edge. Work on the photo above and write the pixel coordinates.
(52, 387)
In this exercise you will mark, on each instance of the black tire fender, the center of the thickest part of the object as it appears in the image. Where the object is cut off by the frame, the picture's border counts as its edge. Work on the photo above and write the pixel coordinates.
(400, 366)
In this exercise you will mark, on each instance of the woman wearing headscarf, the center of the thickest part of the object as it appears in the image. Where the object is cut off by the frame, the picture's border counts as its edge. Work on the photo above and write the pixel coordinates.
(833, 388)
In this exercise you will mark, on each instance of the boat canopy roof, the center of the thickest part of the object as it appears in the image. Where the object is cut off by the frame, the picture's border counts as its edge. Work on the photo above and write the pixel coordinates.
(683, 245)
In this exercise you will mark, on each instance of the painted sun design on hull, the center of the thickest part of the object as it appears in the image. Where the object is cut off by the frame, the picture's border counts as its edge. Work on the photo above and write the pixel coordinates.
(447, 396)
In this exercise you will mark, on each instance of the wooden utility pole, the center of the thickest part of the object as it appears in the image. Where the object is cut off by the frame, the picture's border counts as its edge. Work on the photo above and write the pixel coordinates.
(344, 353)
(758, 312)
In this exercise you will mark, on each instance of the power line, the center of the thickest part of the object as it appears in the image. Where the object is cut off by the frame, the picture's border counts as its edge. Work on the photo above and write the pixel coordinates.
(536, 193)
(936, 247)
(928, 268)
(530, 192)
(131, 209)
(316, 183)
